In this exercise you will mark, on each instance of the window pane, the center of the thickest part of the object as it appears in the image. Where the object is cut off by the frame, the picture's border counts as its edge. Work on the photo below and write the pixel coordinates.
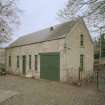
(82, 40)
(36, 62)
(81, 61)
(9, 61)
(17, 61)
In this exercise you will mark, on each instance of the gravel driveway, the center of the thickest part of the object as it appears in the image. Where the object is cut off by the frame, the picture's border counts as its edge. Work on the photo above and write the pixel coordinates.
(42, 92)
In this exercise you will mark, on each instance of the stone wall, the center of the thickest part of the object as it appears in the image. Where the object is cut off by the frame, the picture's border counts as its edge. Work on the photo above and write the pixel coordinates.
(74, 50)
(34, 49)
(2, 56)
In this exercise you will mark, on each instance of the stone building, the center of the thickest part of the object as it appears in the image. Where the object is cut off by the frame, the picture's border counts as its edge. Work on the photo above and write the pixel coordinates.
(55, 53)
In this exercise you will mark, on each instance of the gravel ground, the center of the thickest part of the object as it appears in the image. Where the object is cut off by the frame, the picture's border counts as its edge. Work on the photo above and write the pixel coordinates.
(43, 92)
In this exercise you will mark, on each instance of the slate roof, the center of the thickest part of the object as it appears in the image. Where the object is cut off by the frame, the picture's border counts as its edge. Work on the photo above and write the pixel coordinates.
(51, 33)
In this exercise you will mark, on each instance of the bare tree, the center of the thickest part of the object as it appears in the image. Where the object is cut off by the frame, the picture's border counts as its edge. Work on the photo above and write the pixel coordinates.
(8, 18)
(93, 11)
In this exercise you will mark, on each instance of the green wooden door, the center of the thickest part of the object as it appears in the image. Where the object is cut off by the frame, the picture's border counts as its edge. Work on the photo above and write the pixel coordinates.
(50, 66)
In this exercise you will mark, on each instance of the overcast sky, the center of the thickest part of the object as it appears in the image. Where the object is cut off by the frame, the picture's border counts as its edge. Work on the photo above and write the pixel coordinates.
(38, 14)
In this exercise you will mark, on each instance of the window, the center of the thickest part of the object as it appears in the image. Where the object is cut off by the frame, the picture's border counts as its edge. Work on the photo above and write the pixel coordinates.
(36, 62)
(9, 61)
(81, 61)
(29, 61)
(17, 61)
(82, 40)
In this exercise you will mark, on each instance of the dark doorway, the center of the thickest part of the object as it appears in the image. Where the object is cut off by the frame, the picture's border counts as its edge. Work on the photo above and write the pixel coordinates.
(24, 65)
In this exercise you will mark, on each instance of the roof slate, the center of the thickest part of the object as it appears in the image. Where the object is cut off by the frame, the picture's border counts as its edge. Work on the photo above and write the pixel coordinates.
(58, 31)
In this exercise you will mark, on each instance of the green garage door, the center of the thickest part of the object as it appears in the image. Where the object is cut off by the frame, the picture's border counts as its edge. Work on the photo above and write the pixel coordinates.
(50, 66)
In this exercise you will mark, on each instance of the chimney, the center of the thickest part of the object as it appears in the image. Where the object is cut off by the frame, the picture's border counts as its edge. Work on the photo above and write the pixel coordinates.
(51, 28)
